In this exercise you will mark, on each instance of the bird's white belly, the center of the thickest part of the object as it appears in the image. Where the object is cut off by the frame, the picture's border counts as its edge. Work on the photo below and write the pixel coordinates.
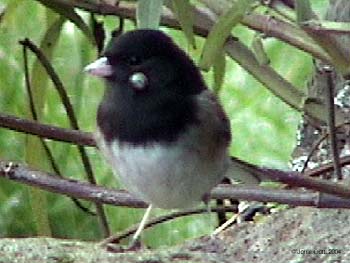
(168, 176)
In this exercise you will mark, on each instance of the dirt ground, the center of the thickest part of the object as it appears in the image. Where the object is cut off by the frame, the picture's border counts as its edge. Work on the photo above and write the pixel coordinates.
(294, 235)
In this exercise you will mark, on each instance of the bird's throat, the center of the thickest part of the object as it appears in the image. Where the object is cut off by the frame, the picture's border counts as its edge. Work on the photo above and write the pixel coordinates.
(145, 121)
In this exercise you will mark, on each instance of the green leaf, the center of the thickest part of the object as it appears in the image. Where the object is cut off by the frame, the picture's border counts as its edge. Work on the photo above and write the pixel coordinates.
(68, 12)
(39, 77)
(183, 11)
(6, 11)
(34, 149)
(303, 10)
(258, 49)
(148, 13)
(219, 70)
(221, 30)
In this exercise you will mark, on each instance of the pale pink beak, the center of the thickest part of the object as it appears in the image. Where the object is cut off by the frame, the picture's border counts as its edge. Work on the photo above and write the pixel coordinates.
(100, 68)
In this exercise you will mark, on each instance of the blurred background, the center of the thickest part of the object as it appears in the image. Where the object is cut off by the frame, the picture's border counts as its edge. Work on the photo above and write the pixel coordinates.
(264, 128)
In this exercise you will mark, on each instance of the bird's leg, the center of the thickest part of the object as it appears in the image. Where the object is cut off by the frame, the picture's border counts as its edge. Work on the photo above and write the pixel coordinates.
(141, 226)
(111, 242)
(206, 201)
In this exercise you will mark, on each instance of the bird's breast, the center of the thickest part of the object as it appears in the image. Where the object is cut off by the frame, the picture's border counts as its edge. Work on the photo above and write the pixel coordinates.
(172, 175)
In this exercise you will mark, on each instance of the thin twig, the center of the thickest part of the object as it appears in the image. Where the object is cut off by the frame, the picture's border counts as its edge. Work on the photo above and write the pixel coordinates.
(295, 179)
(78, 189)
(164, 218)
(280, 29)
(73, 121)
(46, 131)
(281, 9)
(28, 85)
(57, 171)
(313, 149)
(317, 144)
(203, 21)
(42, 207)
(326, 168)
(329, 93)
(48, 152)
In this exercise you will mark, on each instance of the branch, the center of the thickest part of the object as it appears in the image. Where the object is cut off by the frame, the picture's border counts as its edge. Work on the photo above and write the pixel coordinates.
(316, 145)
(52, 183)
(51, 159)
(273, 27)
(266, 24)
(73, 121)
(287, 32)
(290, 178)
(46, 131)
(203, 21)
(99, 194)
(283, 8)
(329, 94)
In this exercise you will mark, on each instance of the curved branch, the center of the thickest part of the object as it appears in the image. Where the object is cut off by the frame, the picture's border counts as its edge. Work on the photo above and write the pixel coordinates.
(73, 122)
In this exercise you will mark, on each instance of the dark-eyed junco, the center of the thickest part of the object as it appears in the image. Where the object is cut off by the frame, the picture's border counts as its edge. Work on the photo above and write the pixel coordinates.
(164, 133)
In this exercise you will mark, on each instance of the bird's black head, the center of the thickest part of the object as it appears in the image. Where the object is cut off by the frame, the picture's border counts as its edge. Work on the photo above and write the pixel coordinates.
(151, 88)
(155, 55)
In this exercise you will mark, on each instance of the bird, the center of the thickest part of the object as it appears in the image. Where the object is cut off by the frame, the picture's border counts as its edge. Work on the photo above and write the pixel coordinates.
(164, 133)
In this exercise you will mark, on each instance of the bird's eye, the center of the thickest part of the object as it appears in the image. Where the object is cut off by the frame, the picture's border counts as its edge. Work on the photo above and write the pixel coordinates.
(138, 81)
(111, 60)
(134, 60)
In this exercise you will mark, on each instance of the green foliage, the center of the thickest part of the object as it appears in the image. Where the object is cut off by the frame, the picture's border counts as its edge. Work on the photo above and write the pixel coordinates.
(303, 10)
(221, 30)
(263, 126)
(183, 11)
(259, 52)
(219, 69)
(148, 13)
(38, 88)
(68, 12)
(338, 54)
